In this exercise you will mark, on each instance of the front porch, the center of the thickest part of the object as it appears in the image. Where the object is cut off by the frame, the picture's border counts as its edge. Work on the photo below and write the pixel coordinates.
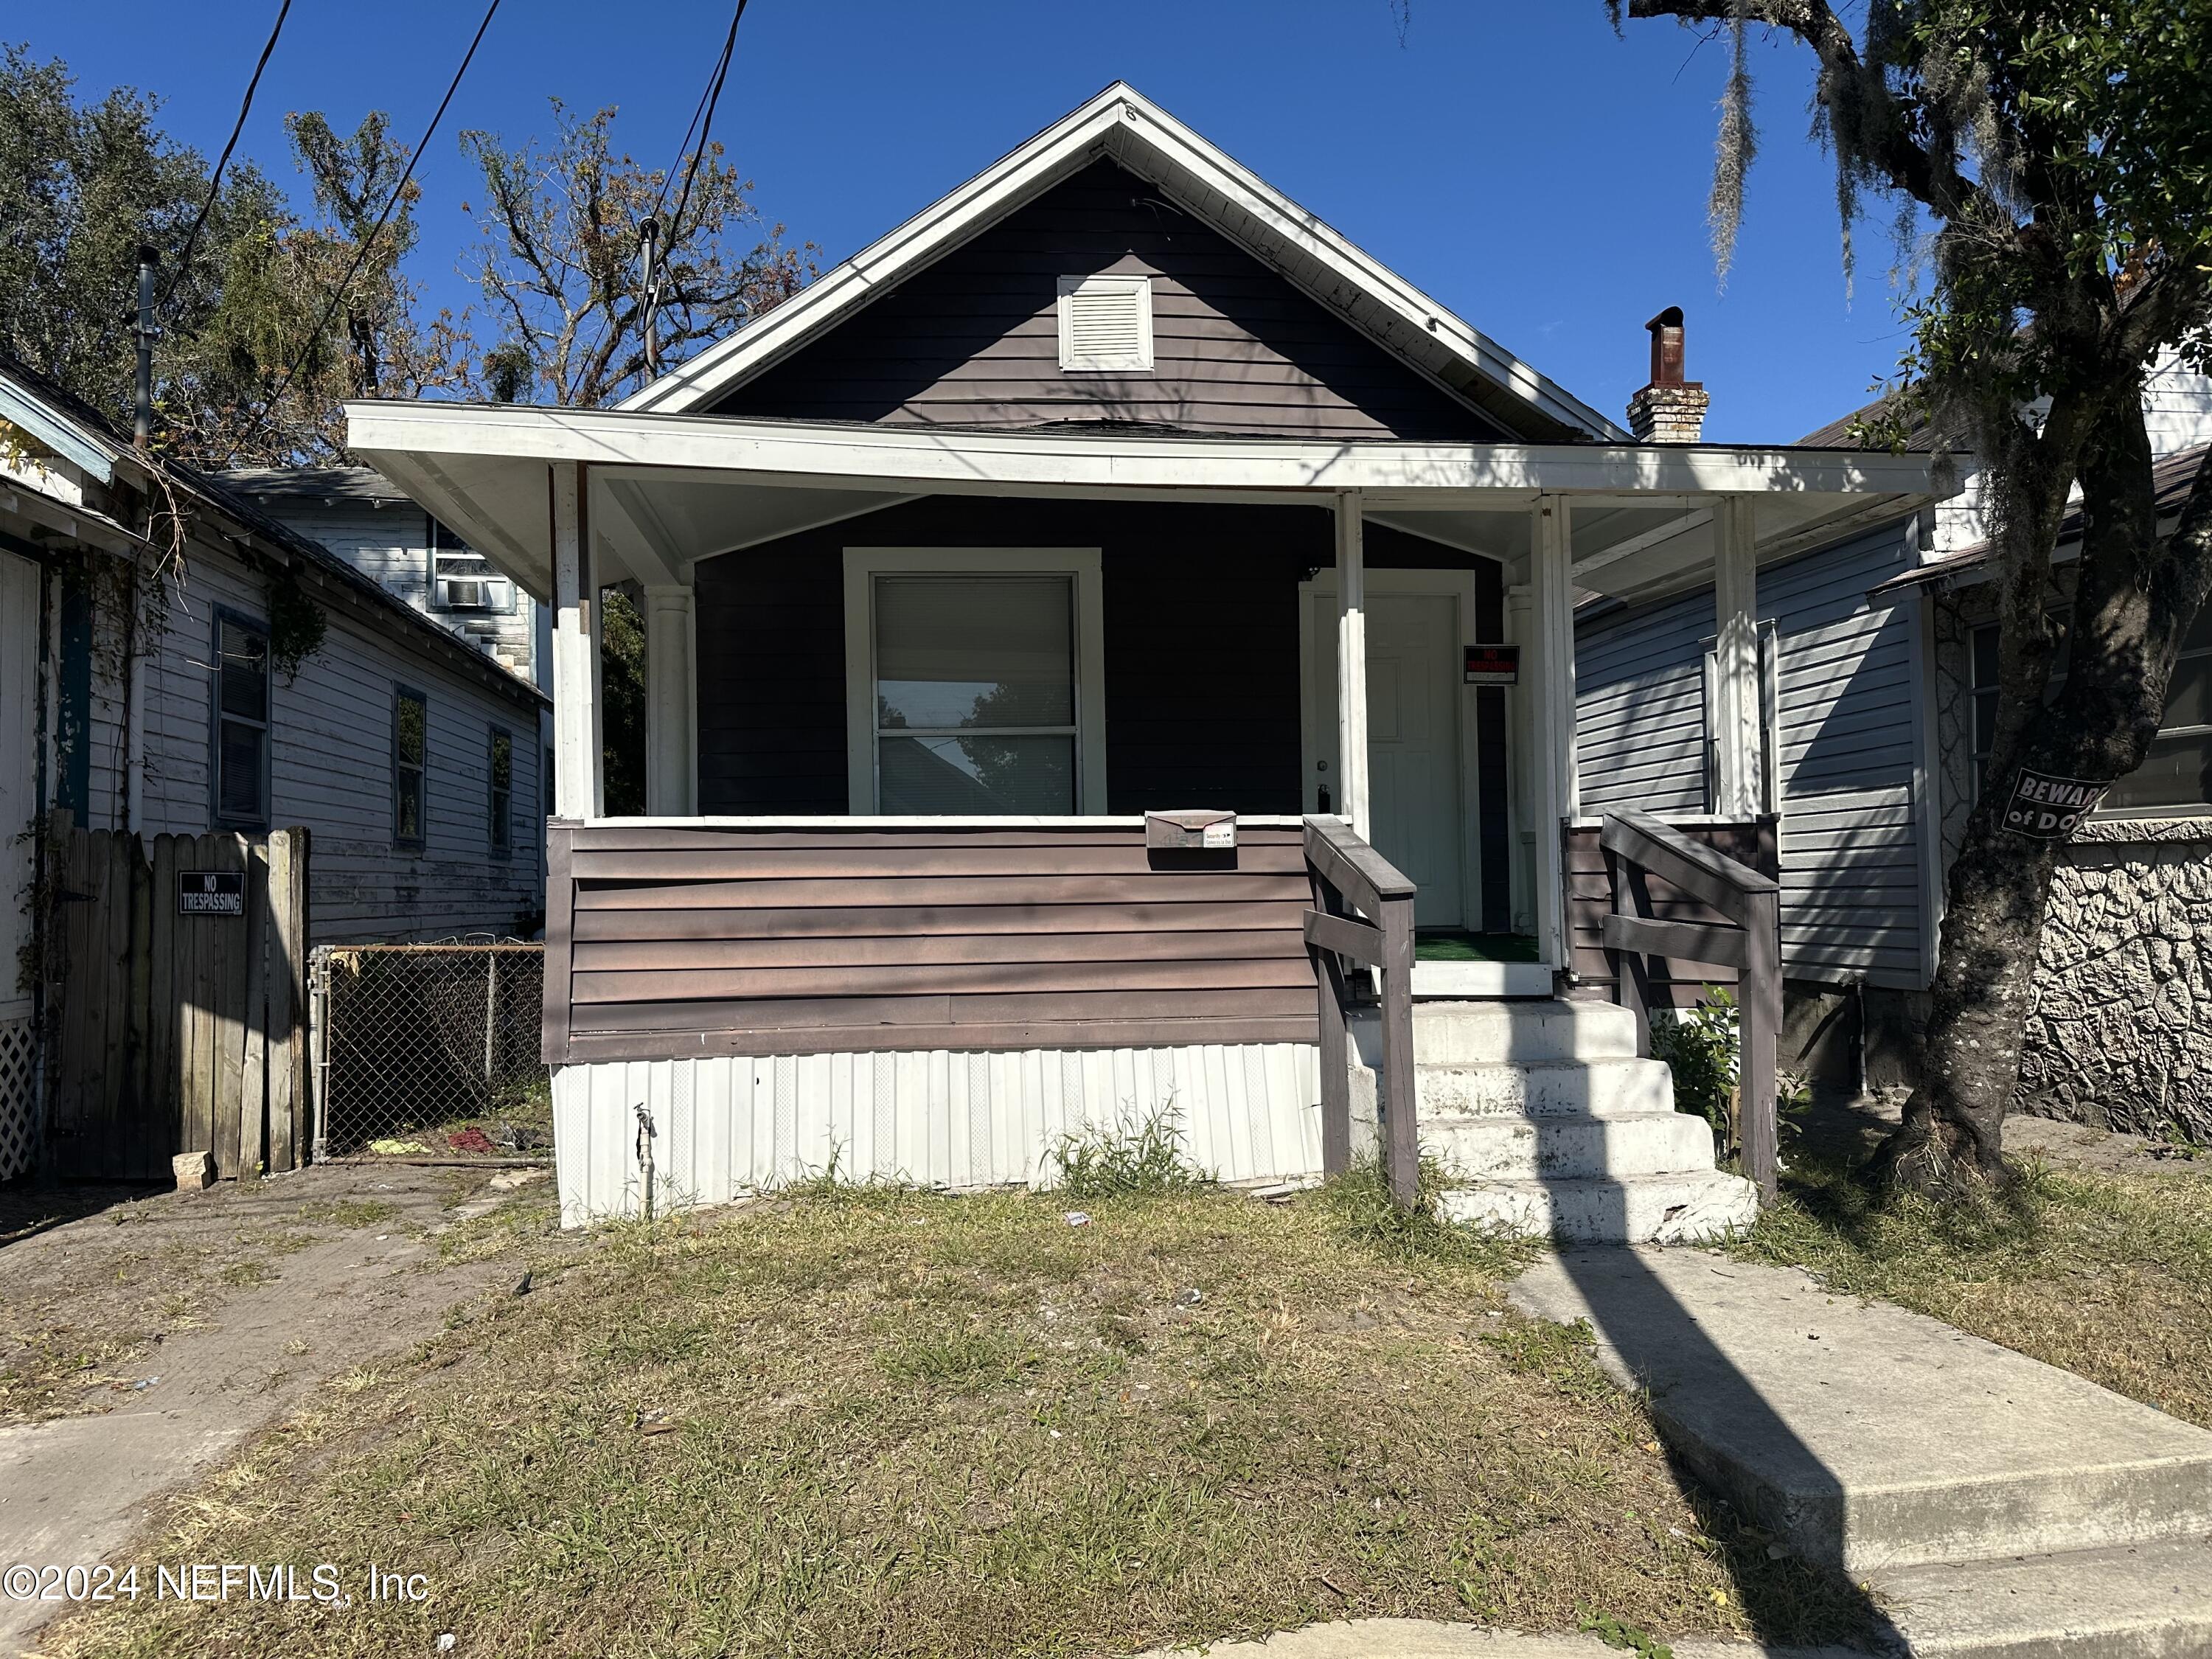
(912, 693)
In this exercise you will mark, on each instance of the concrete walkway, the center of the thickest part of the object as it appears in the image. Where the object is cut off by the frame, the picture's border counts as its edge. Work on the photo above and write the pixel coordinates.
(1996, 1505)
(79, 1489)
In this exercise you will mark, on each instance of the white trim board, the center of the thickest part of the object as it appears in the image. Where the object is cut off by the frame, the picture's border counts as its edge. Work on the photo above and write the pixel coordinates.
(1120, 124)
(863, 564)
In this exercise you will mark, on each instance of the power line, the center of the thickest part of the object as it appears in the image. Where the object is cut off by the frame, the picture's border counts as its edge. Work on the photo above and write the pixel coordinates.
(654, 245)
(361, 253)
(215, 184)
(707, 127)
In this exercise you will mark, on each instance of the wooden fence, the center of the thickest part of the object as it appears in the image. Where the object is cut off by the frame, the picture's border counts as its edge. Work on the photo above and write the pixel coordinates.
(177, 1003)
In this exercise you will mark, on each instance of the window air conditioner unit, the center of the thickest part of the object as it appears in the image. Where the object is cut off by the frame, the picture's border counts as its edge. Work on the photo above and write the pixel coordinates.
(463, 595)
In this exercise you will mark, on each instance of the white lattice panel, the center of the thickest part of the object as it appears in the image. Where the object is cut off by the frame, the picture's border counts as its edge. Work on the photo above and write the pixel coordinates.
(15, 1078)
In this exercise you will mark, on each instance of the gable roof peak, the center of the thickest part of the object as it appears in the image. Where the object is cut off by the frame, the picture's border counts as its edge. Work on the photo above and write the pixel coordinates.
(1120, 124)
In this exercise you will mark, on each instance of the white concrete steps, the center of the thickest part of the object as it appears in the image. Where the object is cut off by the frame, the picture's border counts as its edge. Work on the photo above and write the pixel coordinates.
(1527, 1031)
(1549, 1126)
(1678, 1207)
(1583, 1088)
(1556, 1146)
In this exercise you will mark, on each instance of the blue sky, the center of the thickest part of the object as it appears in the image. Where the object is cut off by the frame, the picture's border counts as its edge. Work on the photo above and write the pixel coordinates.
(1542, 178)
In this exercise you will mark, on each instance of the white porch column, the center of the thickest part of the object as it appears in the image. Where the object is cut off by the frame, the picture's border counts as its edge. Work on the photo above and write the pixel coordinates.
(1553, 786)
(577, 781)
(1351, 662)
(1740, 766)
(670, 668)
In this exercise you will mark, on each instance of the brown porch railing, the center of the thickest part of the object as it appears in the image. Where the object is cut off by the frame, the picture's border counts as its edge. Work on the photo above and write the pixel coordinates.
(1347, 872)
(1638, 844)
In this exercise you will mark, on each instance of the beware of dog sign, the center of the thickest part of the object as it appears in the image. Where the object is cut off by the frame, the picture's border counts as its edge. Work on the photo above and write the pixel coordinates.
(2046, 808)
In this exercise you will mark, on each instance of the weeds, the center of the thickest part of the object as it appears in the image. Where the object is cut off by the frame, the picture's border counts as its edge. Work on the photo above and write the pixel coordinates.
(1113, 1162)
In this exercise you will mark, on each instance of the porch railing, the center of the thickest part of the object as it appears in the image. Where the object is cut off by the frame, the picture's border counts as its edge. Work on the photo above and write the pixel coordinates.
(1638, 846)
(1347, 872)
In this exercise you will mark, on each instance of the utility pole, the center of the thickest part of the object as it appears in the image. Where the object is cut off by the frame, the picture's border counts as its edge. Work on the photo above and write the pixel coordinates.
(141, 431)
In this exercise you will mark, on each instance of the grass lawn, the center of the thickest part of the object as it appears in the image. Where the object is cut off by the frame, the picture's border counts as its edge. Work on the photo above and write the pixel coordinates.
(884, 1422)
(2107, 1274)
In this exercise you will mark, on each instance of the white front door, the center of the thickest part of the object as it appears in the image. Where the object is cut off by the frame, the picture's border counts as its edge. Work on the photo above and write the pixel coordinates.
(1415, 792)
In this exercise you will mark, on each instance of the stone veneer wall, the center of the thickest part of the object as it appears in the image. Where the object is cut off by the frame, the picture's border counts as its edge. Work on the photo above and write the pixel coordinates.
(2119, 1031)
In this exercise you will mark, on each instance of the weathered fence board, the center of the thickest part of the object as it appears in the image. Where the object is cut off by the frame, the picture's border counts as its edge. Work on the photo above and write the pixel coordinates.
(179, 1032)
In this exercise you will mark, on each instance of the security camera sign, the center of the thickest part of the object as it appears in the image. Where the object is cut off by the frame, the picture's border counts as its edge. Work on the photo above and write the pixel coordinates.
(2046, 808)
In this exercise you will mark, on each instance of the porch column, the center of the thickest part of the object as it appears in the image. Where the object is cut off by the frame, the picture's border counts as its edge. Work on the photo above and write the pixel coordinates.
(1351, 662)
(1739, 765)
(670, 755)
(577, 783)
(1552, 785)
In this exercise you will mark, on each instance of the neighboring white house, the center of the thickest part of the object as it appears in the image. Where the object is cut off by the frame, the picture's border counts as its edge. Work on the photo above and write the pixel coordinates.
(364, 518)
(414, 757)
(1880, 657)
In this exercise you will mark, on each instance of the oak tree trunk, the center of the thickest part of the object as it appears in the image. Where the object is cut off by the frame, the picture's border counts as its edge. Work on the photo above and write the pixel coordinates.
(2135, 596)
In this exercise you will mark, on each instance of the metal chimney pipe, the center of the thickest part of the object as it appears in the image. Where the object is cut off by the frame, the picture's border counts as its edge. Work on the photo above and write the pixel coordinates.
(1666, 347)
(142, 426)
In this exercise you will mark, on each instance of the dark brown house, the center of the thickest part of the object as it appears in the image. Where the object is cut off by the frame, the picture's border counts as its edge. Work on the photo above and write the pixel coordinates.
(1058, 506)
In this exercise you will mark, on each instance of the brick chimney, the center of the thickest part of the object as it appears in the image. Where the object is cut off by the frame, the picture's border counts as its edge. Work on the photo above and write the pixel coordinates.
(1671, 409)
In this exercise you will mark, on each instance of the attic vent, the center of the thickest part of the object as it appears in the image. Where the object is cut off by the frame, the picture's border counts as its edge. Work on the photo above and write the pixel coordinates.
(1105, 322)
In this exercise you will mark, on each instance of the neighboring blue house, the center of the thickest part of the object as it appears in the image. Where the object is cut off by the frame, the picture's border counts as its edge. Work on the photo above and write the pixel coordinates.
(1878, 653)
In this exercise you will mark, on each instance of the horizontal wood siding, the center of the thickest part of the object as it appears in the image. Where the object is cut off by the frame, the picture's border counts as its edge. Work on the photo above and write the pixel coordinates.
(974, 340)
(331, 769)
(1846, 746)
(1201, 639)
(726, 1126)
(1590, 898)
(1640, 707)
(673, 941)
(1848, 742)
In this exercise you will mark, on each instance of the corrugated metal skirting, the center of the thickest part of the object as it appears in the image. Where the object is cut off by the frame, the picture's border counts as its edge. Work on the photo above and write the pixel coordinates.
(724, 1126)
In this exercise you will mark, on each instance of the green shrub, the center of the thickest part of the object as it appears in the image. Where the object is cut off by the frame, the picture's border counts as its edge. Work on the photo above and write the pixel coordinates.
(1702, 1047)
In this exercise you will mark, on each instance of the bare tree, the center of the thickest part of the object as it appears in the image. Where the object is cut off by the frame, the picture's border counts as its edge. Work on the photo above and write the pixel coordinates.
(2062, 150)
(559, 263)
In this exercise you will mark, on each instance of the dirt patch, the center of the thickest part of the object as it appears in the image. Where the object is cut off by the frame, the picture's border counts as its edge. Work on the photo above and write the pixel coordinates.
(144, 1341)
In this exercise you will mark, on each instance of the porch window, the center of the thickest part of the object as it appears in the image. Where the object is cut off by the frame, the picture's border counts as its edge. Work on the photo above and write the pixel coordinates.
(241, 723)
(974, 676)
(975, 694)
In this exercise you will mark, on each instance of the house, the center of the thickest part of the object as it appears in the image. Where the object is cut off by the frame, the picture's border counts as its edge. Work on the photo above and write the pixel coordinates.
(360, 515)
(173, 661)
(985, 579)
(1879, 658)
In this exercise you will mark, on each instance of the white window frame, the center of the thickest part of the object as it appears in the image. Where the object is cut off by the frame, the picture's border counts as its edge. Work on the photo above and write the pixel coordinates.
(1141, 362)
(863, 564)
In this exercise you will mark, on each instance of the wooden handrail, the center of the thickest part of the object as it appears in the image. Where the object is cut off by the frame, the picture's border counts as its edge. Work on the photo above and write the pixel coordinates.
(1635, 845)
(1346, 871)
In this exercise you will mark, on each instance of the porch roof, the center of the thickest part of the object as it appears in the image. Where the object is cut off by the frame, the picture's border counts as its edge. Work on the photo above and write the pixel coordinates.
(672, 489)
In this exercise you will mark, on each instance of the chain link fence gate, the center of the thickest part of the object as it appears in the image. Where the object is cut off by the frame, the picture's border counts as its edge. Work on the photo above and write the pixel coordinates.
(430, 1051)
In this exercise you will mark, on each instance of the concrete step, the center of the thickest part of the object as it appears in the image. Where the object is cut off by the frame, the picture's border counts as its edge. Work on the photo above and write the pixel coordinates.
(2149, 1601)
(1562, 1148)
(1593, 1088)
(1868, 1436)
(1538, 1030)
(1688, 1206)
